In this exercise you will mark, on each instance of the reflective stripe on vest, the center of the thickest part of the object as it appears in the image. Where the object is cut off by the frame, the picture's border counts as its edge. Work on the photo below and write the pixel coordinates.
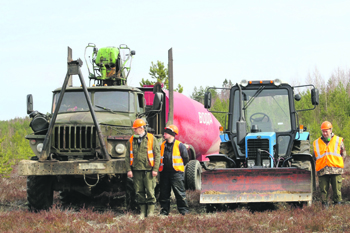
(328, 155)
(178, 163)
(149, 150)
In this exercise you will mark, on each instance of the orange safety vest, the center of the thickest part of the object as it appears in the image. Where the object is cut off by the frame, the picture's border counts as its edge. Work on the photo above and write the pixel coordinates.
(178, 163)
(328, 155)
(149, 150)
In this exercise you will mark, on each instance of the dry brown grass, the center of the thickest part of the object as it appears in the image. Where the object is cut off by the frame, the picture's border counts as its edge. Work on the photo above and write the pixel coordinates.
(14, 216)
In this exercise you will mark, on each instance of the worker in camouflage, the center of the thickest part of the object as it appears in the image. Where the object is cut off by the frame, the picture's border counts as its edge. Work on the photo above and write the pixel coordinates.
(142, 163)
(329, 153)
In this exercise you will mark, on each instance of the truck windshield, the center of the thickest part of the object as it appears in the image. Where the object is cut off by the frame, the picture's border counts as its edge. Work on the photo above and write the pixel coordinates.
(110, 101)
(267, 112)
(71, 102)
(117, 101)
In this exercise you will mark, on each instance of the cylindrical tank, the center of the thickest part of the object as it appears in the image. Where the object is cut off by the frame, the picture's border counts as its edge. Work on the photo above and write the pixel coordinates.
(197, 126)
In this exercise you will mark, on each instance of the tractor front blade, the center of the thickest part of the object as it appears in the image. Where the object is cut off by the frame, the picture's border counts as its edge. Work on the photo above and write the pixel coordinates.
(244, 185)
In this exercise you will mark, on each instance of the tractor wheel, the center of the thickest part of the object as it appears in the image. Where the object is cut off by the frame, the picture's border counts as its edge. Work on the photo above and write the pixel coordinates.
(193, 175)
(40, 192)
(306, 165)
(301, 147)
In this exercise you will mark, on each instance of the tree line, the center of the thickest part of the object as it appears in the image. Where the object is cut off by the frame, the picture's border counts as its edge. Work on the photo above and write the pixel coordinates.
(13, 145)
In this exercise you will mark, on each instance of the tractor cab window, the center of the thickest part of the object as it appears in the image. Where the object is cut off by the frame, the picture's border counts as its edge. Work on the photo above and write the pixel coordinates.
(71, 102)
(265, 112)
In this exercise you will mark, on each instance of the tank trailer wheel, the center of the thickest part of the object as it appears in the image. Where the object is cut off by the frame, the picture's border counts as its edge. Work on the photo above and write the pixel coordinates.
(40, 192)
(193, 175)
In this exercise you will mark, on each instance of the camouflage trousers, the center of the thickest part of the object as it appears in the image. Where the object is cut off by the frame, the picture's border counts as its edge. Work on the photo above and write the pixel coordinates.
(144, 184)
(335, 181)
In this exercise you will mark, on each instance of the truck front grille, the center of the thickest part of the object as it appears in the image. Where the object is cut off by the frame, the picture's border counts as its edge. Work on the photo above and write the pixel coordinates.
(254, 145)
(71, 138)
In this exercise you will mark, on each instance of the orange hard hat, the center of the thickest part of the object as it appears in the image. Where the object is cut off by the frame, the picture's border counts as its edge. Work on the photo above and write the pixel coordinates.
(326, 125)
(138, 123)
(173, 128)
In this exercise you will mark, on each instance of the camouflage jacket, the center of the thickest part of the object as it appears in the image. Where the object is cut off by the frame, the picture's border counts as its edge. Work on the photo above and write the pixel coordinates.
(140, 155)
(332, 170)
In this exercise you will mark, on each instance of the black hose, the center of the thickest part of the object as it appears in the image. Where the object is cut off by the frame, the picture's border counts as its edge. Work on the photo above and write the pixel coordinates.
(286, 160)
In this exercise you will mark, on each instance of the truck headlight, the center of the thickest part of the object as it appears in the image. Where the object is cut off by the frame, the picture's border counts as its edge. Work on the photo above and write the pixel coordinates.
(39, 147)
(120, 148)
(251, 163)
(266, 163)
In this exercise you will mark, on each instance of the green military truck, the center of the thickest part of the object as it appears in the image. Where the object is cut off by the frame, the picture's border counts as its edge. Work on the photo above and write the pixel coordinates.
(80, 146)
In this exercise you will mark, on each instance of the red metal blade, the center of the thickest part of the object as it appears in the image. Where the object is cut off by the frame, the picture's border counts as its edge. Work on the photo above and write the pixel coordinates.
(256, 185)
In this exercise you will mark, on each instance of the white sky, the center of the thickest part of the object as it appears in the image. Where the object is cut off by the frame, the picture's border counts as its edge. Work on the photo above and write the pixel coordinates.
(211, 41)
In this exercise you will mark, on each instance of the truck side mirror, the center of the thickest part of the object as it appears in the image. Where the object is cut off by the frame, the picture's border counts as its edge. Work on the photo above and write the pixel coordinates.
(157, 102)
(207, 99)
(314, 96)
(29, 104)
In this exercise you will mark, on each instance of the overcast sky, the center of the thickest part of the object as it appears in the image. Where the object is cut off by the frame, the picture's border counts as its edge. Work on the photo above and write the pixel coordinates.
(211, 41)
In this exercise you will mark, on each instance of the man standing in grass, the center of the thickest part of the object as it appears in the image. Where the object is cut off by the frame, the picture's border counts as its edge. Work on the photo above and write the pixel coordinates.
(142, 162)
(329, 153)
(173, 159)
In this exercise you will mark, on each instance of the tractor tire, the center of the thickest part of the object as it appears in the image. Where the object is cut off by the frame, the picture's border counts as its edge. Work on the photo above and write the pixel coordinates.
(301, 147)
(193, 175)
(305, 165)
(40, 192)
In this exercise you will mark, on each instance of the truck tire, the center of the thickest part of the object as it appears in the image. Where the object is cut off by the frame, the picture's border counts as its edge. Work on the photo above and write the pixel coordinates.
(73, 198)
(130, 196)
(193, 175)
(39, 192)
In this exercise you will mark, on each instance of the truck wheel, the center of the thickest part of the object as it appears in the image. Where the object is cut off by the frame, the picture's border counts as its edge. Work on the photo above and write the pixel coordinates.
(39, 192)
(73, 197)
(193, 175)
(130, 197)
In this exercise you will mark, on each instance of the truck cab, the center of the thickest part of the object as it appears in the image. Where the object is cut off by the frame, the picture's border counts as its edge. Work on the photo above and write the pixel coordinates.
(74, 133)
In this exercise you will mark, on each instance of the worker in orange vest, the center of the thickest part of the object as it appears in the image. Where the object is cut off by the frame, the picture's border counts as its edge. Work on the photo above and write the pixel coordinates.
(329, 152)
(173, 159)
(142, 163)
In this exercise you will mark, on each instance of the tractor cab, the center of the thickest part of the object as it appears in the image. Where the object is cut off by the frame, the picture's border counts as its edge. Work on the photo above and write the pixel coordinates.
(258, 161)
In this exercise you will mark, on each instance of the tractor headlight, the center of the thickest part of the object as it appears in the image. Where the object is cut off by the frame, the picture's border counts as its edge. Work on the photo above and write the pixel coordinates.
(251, 163)
(120, 148)
(278, 82)
(244, 83)
(266, 163)
(39, 147)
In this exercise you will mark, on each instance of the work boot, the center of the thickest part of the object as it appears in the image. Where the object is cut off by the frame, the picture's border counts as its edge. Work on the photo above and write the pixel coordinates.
(184, 212)
(150, 210)
(325, 205)
(164, 212)
(143, 211)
